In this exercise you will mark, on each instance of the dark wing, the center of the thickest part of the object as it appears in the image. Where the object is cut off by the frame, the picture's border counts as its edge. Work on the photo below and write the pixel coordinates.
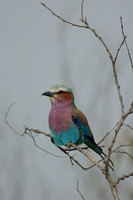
(81, 122)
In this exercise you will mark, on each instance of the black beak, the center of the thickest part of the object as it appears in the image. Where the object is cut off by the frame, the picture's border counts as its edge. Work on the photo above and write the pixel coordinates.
(48, 93)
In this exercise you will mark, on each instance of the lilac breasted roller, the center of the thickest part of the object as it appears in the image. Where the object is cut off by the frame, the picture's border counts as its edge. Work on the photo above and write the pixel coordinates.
(66, 122)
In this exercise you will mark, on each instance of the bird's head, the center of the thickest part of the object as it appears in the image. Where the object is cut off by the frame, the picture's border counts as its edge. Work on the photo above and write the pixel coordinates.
(60, 93)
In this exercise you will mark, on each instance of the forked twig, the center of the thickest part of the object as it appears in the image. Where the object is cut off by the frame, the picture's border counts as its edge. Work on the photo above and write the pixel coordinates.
(123, 177)
(128, 51)
(123, 152)
(128, 126)
(6, 120)
(116, 131)
(78, 190)
(118, 50)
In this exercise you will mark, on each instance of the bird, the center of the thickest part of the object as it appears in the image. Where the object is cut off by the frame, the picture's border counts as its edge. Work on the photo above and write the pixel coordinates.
(66, 122)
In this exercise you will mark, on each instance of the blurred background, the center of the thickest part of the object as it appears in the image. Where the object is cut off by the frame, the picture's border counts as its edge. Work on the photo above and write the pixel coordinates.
(37, 51)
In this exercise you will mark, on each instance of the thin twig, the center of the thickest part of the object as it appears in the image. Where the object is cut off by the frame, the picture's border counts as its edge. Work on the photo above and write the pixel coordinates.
(123, 177)
(124, 152)
(128, 51)
(117, 149)
(37, 131)
(73, 159)
(128, 126)
(118, 87)
(62, 19)
(118, 50)
(78, 190)
(31, 135)
(6, 120)
(30, 130)
(108, 133)
(88, 156)
(82, 17)
(86, 26)
(117, 129)
(123, 145)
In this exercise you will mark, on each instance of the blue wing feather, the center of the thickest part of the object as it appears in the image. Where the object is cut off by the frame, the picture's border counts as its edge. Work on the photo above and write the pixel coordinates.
(81, 122)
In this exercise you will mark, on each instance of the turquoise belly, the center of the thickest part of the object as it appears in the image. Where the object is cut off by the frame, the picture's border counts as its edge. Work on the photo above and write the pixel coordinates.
(70, 135)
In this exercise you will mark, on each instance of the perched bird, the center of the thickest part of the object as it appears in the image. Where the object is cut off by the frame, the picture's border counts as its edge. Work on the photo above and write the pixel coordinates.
(66, 122)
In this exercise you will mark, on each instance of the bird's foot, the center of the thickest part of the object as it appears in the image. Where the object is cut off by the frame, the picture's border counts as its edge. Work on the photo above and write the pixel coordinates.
(68, 144)
(52, 140)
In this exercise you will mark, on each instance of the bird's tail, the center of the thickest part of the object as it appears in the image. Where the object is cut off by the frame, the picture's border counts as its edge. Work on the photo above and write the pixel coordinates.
(109, 159)
(98, 150)
(94, 146)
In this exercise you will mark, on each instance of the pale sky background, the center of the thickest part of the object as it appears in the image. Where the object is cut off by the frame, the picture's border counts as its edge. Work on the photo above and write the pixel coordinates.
(38, 51)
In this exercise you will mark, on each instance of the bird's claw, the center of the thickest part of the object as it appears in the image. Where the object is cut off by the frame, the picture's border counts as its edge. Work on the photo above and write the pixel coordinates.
(68, 144)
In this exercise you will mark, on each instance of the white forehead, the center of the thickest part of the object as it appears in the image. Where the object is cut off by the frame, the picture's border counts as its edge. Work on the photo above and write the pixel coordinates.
(58, 88)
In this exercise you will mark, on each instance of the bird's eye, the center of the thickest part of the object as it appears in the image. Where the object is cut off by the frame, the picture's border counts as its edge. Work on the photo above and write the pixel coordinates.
(60, 91)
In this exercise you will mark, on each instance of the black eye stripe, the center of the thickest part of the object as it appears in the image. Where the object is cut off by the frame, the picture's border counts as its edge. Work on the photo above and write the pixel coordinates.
(60, 92)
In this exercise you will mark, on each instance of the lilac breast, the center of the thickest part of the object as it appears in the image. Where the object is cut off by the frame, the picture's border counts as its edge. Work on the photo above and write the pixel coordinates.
(60, 118)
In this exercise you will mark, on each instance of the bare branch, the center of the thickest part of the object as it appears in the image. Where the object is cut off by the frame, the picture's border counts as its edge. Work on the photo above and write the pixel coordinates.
(117, 129)
(88, 156)
(6, 120)
(118, 88)
(123, 145)
(36, 131)
(123, 177)
(79, 190)
(117, 149)
(128, 51)
(98, 37)
(29, 132)
(31, 135)
(124, 152)
(118, 50)
(108, 133)
(128, 126)
(72, 158)
(82, 16)
(86, 26)
(62, 19)
(113, 187)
